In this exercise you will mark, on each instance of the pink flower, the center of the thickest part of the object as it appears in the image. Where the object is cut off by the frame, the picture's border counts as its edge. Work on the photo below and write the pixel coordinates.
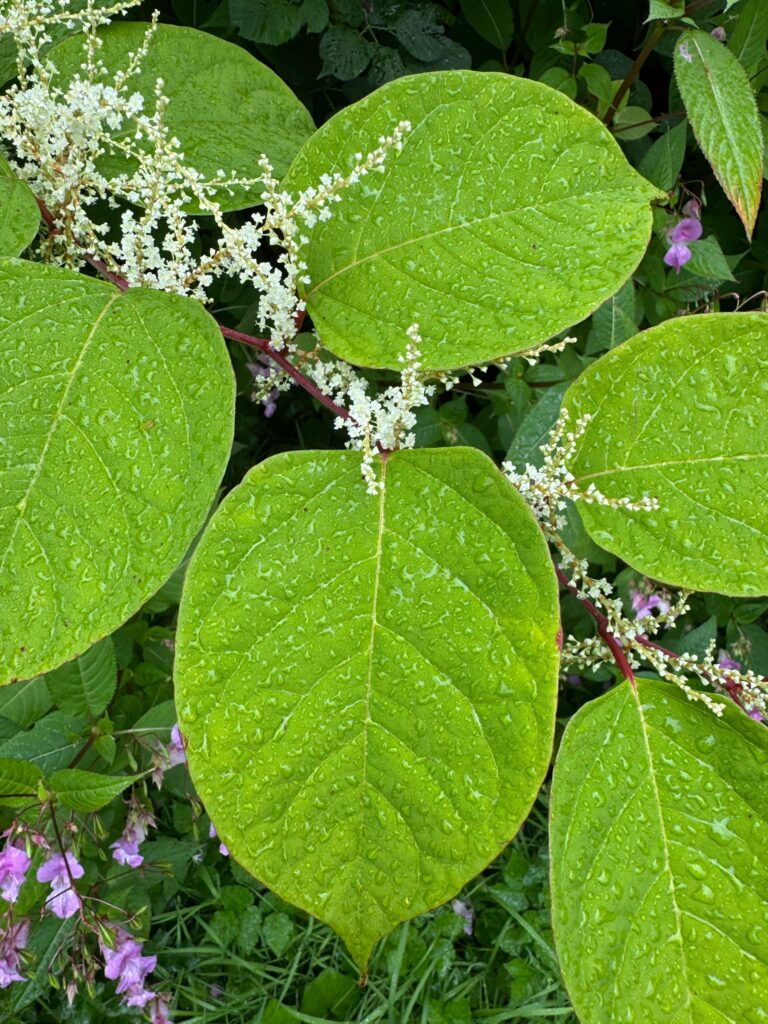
(11, 942)
(14, 864)
(686, 230)
(126, 965)
(725, 661)
(212, 834)
(677, 255)
(158, 1011)
(719, 34)
(643, 604)
(176, 752)
(135, 832)
(64, 900)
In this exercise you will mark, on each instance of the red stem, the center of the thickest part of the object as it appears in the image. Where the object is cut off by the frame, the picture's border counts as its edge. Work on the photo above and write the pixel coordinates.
(245, 339)
(602, 623)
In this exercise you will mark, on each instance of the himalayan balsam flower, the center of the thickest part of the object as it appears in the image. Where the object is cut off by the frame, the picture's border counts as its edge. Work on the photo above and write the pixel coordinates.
(643, 604)
(686, 230)
(126, 965)
(126, 848)
(158, 1011)
(11, 941)
(212, 834)
(14, 864)
(169, 757)
(64, 900)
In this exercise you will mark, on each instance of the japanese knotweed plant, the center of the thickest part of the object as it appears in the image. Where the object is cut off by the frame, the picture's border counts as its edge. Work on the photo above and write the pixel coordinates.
(369, 640)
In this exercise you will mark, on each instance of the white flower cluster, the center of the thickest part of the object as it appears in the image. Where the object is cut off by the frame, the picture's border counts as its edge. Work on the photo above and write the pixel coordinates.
(60, 133)
(382, 423)
(546, 489)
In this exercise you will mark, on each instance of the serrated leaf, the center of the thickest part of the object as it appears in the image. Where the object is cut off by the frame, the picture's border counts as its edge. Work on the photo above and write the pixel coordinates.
(748, 38)
(87, 791)
(117, 413)
(663, 162)
(18, 782)
(659, 835)
(19, 212)
(534, 429)
(390, 720)
(708, 260)
(723, 113)
(491, 19)
(51, 743)
(86, 685)
(247, 110)
(680, 413)
(665, 9)
(510, 214)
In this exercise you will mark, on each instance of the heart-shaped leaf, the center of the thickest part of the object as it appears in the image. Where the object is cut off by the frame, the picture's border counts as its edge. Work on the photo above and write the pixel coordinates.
(680, 413)
(659, 835)
(368, 684)
(117, 412)
(510, 214)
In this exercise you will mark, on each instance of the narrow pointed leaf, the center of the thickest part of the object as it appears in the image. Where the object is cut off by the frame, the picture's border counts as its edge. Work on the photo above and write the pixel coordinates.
(117, 412)
(749, 35)
(225, 107)
(87, 791)
(723, 113)
(367, 684)
(492, 19)
(680, 414)
(86, 685)
(659, 838)
(19, 213)
(510, 214)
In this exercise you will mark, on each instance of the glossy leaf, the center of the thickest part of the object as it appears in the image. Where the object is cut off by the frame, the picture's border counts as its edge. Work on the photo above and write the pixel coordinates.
(19, 213)
(117, 414)
(510, 214)
(680, 413)
(367, 684)
(86, 685)
(723, 113)
(659, 839)
(87, 791)
(225, 107)
(18, 782)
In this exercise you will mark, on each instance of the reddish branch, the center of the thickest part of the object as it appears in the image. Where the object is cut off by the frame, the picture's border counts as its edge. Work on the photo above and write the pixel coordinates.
(603, 628)
(262, 344)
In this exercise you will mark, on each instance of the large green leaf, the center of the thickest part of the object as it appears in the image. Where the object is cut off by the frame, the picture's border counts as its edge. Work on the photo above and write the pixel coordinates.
(659, 828)
(19, 212)
(117, 413)
(368, 684)
(86, 685)
(19, 781)
(680, 413)
(723, 114)
(225, 107)
(510, 214)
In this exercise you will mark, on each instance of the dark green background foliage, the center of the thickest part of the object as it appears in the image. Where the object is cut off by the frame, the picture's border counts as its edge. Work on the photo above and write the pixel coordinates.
(229, 950)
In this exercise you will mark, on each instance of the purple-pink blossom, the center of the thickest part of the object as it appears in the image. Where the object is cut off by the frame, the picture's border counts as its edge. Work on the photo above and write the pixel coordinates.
(126, 848)
(64, 900)
(213, 834)
(11, 941)
(686, 230)
(126, 964)
(643, 604)
(14, 864)
(159, 1011)
(677, 255)
(168, 757)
